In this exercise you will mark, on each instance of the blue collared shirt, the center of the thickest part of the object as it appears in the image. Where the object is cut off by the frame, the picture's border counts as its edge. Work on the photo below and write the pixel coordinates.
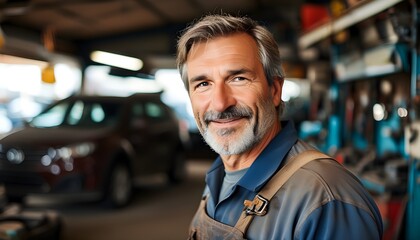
(321, 201)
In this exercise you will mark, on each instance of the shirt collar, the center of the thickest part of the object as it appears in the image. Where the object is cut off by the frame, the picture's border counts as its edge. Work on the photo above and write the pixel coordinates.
(263, 167)
(270, 159)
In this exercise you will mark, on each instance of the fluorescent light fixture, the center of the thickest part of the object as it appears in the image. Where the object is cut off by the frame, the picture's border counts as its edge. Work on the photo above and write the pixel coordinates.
(116, 60)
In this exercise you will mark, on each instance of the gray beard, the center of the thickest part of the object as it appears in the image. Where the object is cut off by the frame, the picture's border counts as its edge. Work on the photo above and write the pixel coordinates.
(251, 135)
(231, 147)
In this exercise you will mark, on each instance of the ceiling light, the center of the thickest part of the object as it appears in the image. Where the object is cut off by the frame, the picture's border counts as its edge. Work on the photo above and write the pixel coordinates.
(116, 60)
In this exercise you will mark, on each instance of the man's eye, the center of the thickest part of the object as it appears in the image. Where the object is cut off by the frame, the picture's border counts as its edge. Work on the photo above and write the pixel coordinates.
(239, 79)
(202, 84)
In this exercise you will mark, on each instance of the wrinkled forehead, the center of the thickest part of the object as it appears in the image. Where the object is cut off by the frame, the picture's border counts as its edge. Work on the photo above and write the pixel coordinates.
(238, 42)
(226, 49)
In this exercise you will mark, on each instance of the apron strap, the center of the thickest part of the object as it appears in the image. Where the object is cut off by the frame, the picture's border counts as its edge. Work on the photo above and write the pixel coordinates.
(259, 205)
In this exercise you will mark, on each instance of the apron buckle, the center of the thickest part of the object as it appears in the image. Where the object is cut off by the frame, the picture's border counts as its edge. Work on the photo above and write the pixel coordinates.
(258, 206)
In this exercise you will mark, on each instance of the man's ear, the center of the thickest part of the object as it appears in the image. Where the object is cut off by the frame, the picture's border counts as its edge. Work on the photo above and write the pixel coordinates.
(276, 90)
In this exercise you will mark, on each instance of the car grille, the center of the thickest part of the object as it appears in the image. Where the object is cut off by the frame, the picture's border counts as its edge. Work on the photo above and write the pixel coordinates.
(29, 157)
(21, 176)
(28, 176)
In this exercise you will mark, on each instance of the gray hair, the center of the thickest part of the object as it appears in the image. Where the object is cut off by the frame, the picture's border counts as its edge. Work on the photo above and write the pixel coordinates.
(213, 26)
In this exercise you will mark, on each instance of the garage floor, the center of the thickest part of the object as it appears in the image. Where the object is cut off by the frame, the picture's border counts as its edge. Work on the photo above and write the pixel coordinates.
(159, 211)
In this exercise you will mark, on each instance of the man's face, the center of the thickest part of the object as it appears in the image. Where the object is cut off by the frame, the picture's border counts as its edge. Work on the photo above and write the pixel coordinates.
(233, 105)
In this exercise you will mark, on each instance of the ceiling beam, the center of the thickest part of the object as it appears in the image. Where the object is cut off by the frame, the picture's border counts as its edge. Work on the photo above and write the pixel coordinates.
(152, 8)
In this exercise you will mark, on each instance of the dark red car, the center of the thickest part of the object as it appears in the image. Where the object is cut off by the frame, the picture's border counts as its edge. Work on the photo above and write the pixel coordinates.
(93, 146)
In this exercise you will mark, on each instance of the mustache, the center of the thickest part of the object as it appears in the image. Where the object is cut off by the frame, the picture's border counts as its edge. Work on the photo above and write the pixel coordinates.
(231, 112)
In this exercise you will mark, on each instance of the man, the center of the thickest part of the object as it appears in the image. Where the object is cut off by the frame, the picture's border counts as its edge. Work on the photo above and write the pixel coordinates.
(232, 71)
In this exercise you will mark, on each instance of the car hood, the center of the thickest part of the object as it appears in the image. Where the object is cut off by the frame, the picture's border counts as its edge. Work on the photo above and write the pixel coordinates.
(52, 136)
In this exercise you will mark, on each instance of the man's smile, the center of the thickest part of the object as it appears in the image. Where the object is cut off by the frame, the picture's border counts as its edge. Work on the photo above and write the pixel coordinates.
(230, 116)
(227, 120)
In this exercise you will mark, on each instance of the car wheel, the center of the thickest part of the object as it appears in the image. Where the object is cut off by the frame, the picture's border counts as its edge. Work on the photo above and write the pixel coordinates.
(120, 186)
(178, 170)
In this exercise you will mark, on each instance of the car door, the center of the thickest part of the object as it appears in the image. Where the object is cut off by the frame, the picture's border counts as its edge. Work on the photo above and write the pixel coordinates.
(161, 134)
(150, 136)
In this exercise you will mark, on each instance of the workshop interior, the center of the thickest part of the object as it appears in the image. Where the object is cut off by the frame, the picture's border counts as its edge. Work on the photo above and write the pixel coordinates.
(352, 88)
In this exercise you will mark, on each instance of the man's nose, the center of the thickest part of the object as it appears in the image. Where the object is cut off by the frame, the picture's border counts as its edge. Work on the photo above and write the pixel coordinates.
(222, 98)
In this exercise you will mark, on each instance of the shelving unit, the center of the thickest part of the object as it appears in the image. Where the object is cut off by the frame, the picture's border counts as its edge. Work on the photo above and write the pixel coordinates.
(363, 10)
(367, 75)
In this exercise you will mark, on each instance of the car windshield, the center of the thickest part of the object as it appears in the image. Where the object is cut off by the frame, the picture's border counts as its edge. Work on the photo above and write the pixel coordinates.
(78, 113)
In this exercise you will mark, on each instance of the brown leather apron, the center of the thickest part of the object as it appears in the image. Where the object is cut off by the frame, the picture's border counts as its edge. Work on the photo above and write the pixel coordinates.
(204, 227)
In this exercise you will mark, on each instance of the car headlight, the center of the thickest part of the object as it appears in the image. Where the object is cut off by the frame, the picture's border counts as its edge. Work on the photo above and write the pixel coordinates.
(66, 154)
(76, 150)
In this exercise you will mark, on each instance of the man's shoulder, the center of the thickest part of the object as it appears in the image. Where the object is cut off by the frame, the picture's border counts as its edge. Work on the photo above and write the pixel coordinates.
(299, 147)
(322, 179)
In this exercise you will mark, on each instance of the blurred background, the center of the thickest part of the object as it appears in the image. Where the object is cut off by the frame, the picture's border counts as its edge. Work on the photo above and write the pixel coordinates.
(352, 89)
